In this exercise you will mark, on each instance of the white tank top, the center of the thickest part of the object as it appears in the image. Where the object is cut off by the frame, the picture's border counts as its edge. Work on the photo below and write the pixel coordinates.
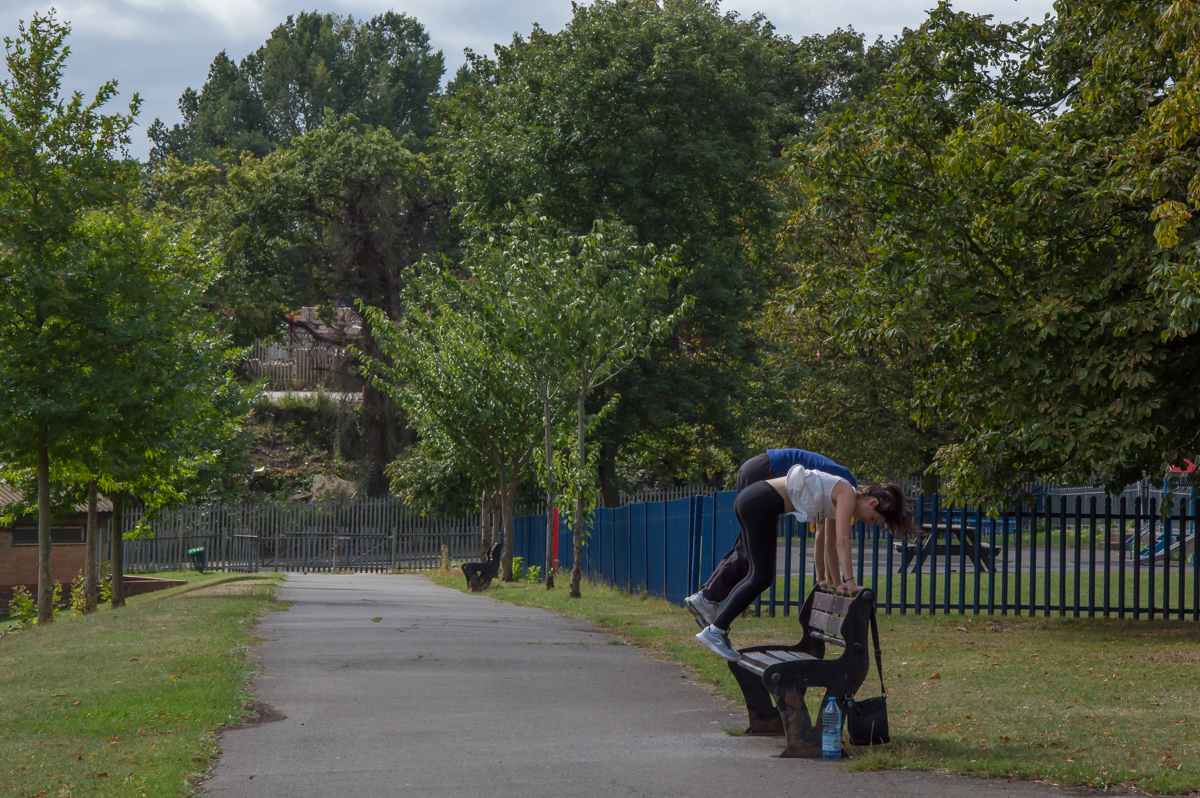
(811, 493)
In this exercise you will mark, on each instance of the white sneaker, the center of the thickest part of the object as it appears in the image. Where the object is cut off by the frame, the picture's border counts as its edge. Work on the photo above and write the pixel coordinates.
(718, 642)
(703, 610)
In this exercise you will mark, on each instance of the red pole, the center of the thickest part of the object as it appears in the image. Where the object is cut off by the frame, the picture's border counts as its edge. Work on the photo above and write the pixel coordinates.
(553, 558)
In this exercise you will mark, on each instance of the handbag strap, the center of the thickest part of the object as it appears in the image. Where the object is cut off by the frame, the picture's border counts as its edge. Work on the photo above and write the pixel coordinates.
(878, 653)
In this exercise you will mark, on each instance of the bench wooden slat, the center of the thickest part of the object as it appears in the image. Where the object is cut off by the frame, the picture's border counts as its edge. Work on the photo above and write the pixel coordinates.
(750, 666)
(830, 624)
(791, 656)
(760, 659)
(828, 602)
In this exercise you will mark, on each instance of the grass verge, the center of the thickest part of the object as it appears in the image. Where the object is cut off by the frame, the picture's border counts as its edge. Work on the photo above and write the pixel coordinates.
(1083, 702)
(127, 702)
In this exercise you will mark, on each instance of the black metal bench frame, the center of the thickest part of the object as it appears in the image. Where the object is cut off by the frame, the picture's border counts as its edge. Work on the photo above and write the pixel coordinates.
(480, 574)
(774, 679)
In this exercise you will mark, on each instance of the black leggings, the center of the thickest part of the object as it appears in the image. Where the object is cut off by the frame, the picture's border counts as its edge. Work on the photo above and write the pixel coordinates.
(735, 564)
(757, 508)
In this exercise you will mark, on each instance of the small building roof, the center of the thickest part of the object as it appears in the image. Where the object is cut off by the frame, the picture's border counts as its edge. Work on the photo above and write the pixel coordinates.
(8, 496)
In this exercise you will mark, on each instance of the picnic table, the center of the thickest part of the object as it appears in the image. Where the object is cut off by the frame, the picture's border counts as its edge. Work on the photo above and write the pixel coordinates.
(960, 539)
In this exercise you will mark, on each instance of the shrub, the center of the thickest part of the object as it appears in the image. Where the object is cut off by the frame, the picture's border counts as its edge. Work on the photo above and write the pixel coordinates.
(78, 596)
(22, 607)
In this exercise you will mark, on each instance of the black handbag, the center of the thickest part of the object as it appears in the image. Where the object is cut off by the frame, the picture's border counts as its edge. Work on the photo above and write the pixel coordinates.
(867, 721)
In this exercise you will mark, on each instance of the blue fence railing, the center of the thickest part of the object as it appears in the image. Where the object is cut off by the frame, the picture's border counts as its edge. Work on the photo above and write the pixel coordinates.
(1111, 558)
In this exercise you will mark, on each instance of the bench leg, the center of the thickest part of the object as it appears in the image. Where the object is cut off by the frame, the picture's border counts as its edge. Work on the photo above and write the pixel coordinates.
(764, 718)
(803, 739)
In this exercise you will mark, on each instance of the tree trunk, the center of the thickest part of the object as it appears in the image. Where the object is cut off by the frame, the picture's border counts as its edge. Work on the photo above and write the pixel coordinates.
(90, 594)
(580, 521)
(929, 485)
(506, 568)
(549, 499)
(117, 570)
(608, 473)
(378, 423)
(496, 526)
(485, 529)
(45, 599)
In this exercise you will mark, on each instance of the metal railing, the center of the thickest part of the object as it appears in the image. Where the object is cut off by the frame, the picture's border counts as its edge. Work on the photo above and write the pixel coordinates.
(1112, 557)
(370, 535)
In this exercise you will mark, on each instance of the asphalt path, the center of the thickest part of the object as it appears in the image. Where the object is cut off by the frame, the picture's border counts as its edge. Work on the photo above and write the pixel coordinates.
(386, 685)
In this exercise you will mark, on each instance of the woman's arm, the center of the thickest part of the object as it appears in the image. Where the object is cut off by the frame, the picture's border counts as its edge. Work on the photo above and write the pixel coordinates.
(819, 555)
(833, 571)
(843, 501)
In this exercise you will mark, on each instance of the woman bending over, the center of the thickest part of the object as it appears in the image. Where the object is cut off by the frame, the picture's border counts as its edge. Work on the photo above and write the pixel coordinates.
(705, 603)
(830, 503)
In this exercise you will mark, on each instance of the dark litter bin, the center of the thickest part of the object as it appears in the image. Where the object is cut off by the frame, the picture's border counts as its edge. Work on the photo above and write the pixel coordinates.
(198, 559)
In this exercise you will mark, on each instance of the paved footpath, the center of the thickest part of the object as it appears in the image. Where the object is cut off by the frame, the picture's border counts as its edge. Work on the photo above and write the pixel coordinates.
(449, 694)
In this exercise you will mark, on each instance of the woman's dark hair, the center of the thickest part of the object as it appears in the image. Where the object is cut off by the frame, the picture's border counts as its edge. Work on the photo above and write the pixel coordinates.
(893, 506)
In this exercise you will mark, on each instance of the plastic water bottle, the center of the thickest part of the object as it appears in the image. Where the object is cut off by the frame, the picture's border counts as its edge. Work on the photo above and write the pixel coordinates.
(831, 730)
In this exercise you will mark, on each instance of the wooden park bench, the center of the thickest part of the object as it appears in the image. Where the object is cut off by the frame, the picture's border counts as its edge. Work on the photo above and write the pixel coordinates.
(480, 574)
(784, 673)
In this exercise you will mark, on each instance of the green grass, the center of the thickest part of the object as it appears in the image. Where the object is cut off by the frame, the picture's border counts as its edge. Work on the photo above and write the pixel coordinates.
(996, 583)
(1083, 702)
(126, 702)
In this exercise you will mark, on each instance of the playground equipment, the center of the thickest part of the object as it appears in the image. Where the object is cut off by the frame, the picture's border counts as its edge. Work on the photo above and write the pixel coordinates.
(1177, 543)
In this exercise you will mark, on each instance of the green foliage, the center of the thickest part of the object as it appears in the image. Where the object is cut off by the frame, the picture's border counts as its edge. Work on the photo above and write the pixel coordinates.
(336, 216)
(823, 75)
(518, 569)
(78, 599)
(653, 116)
(314, 67)
(842, 395)
(58, 184)
(105, 584)
(22, 607)
(109, 371)
(459, 390)
(460, 393)
(432, 483)
(533, 574)
(339, 216)
(1010, 213)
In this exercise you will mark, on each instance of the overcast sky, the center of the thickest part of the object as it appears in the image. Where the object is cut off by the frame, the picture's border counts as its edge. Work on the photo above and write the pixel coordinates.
(160, 47)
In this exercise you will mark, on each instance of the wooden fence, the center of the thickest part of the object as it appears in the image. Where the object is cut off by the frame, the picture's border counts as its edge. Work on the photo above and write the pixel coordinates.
(301, 367)
(371, 535)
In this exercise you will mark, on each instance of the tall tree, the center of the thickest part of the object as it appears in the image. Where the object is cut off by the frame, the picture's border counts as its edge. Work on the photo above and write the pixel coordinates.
(163, 421)
(524, 314)
(314, 68)
(572, 312)
(460, 391)
(168, 426)
(657, 116)
(57, 164)
(339, 216)
(1025, 193)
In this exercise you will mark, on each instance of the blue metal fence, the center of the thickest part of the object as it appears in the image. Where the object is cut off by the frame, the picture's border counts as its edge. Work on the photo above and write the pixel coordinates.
(1110, 558)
